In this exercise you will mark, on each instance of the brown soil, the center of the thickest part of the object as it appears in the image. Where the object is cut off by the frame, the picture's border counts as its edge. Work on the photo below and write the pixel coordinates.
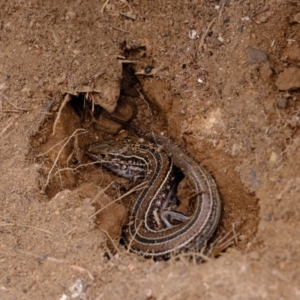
(224, 85)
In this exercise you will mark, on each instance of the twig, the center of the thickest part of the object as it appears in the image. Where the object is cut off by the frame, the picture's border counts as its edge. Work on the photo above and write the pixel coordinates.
(264, 9)
(42, 154)
(117, 28)
(26, 226)
(126, 4)
(222, 243)
(11, 111)
(126, 61)
(103, 6)
(101, 192)
(201, 44)
(60, 261)
(76, 168)
(82, 270)
(234, 233)
(5, 128)
(130, 16)
(108, 252)
(136, 188)
(66, 100)
(111, 240)
(222, 8)
(15, 106)
(70, 231)
(56, 159)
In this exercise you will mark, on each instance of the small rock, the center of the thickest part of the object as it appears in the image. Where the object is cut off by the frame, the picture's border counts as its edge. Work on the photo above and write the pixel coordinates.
(76, 52)
(240, 29)
(267, 217)
(291, 55)
(48, 105)
(281, 103)
(70, 15)
(213, 42)
(193, 34)
(289, 79)
(254, 255)
(256, 56)
(148, 293)
(263, 17)
(253, 177)
(265, 71)
(274, 157)
(242, 237)
(26, 90)
(297, 18)
(226, 20)
(234, 149)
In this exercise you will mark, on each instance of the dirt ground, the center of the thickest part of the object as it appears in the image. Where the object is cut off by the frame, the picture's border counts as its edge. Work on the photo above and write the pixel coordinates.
(220, 78)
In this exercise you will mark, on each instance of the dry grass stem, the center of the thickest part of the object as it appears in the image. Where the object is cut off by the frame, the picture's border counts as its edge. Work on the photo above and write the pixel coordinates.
(66, 100)
(75, 168)
(136, 188)
(126, 61)
(82, 270)
(108, 252)
(26, 226)
(222, 243)
(66, 138)
(70, 231)
(111, 240)
(222, 7)
(74, 267)
(103, 6)
(201, 44)
(15, 106)
(11, 111)
(58, 155)
(128, 15)
(120, 29)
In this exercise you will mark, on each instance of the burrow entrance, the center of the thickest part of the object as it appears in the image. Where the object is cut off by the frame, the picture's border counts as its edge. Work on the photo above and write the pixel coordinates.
(64, 165)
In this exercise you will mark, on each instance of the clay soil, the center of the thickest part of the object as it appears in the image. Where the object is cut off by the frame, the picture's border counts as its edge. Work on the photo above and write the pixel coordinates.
(219, 78)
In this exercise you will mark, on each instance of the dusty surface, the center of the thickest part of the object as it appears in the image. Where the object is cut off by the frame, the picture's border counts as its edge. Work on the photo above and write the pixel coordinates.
(224, 86)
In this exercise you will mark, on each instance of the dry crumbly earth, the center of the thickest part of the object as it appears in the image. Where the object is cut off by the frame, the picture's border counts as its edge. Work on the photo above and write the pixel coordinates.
(225, 86)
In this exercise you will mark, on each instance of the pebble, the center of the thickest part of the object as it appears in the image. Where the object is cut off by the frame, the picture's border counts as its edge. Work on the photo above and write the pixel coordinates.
(193, 34)
(254, 255)
(70, 15)
(48, 105)
(265, 72)
(213, 42)
(274, 157)
(253, 177)
(296, 18)
(263, 18)
(242, 237)
(256, 56)
(289, 79)
(281, 103)
(291, 54)
(267, 217)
